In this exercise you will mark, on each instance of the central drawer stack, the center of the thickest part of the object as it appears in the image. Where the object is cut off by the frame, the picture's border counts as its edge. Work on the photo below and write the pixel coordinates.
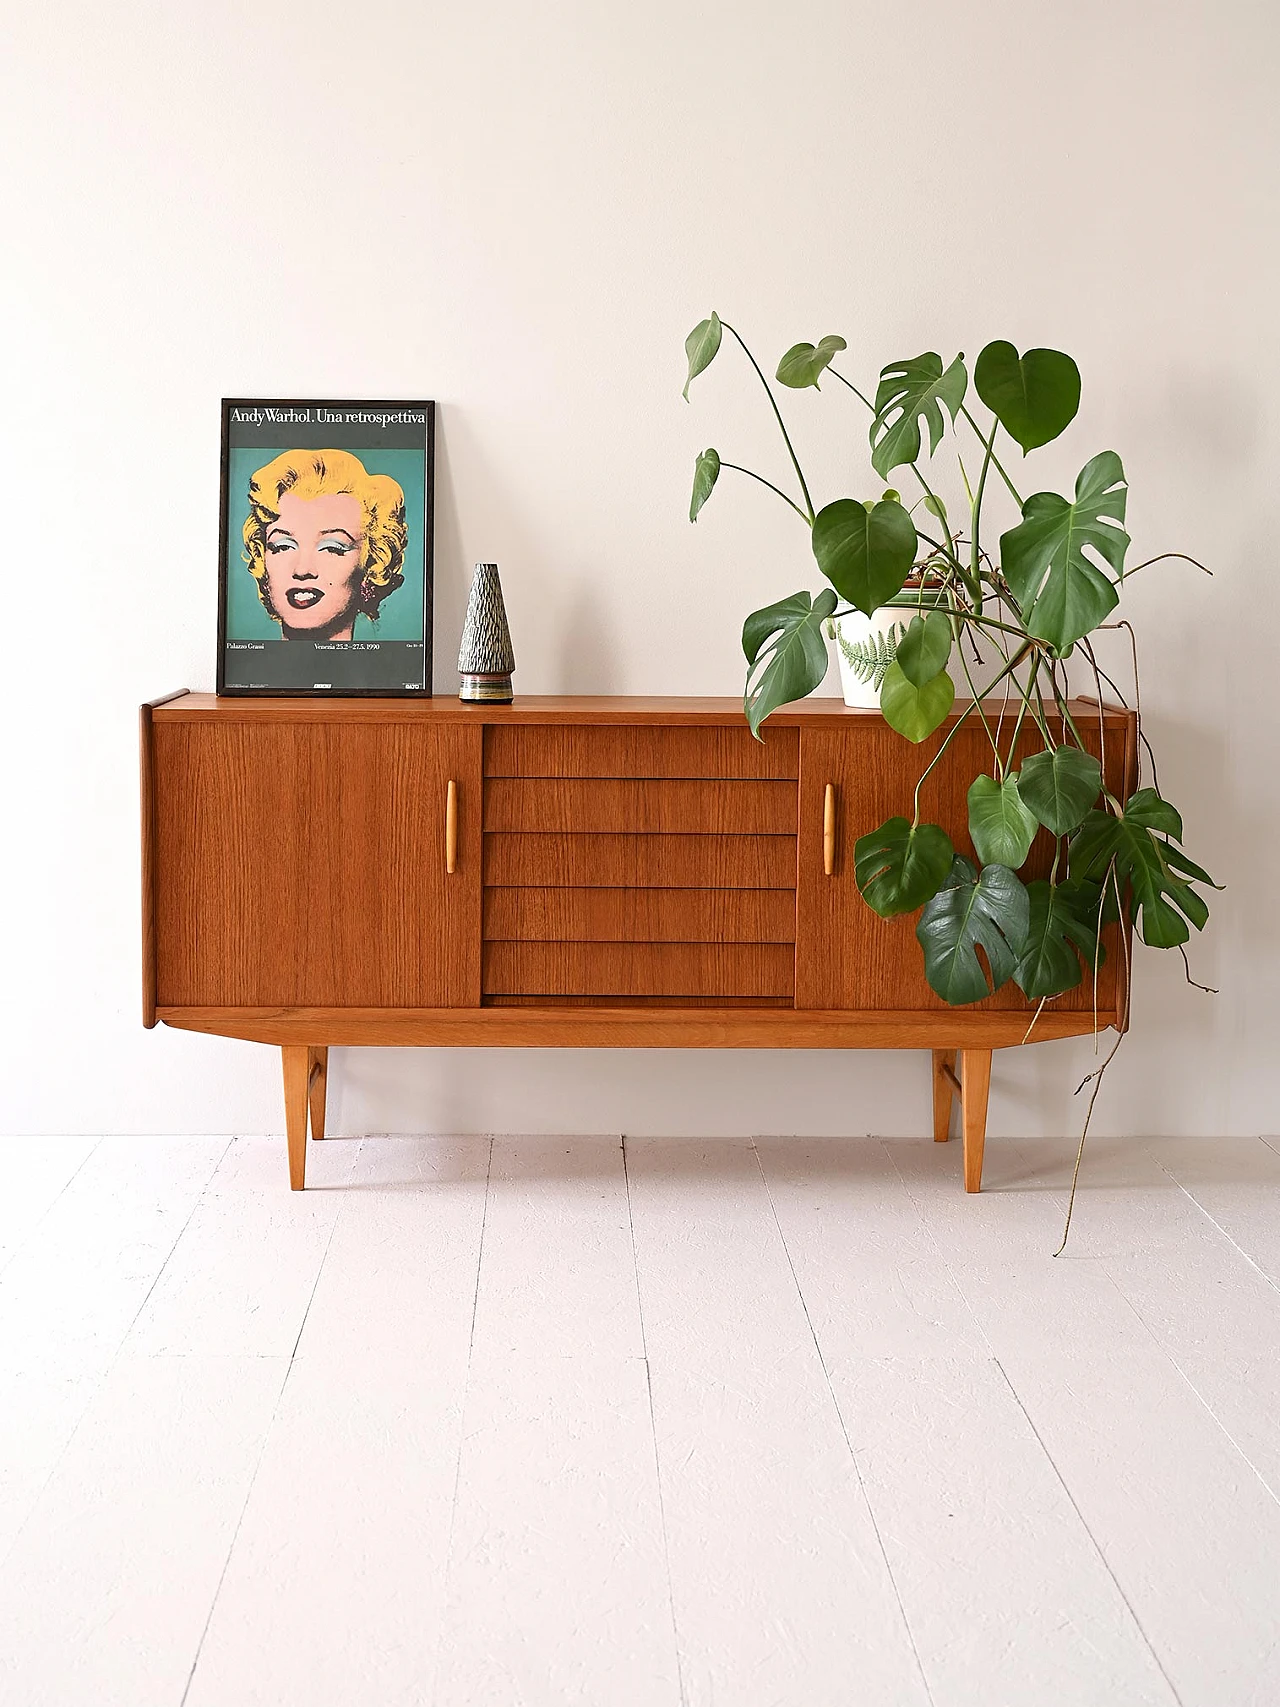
(639, 864)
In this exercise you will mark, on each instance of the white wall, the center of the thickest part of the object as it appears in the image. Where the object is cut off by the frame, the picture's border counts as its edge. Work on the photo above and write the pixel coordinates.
(521, 210)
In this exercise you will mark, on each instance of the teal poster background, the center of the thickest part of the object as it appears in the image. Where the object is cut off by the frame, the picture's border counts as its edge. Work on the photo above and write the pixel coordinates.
(401, 614)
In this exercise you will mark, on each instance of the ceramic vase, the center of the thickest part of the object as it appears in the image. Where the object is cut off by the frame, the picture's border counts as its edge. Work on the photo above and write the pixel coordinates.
(485, 658)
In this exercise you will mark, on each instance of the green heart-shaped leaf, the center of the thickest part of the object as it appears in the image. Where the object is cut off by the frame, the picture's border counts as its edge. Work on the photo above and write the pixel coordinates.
(786, 654)
(912, 711)
(705, 474)
(909, 392)
(1033, 396)
(924, 649)
(1001, 827)
(1062, 593)
(865, 551)
(700, 347)
(804, 364)
(1062, 933)
(899, 866)
(1060, 786)
(987, 910)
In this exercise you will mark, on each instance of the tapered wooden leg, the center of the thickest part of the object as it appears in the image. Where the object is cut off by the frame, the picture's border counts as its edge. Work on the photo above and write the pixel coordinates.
(297, 1060)
(975, 1087)
(944, 1064)
(317, 1080)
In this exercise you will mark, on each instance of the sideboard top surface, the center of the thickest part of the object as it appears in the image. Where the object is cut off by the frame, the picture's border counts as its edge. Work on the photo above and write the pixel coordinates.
(537, 708)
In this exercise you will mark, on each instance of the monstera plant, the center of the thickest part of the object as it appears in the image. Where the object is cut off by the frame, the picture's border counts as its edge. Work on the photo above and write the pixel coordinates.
(1004, 613)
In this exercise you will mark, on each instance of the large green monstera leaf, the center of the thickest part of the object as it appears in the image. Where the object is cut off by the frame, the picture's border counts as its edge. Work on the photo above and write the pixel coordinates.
(900, 865)
(1137, 844)
(1061, 592)
(911, 392)
(985, 909)
(1062, 938)
(865, 554)
(786, 654)
(1032, 396)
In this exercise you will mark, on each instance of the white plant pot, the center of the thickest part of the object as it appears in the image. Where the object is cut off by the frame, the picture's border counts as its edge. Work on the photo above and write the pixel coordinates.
(865, 646)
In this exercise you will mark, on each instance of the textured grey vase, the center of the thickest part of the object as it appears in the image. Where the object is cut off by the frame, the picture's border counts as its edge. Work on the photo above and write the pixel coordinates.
(485, 658)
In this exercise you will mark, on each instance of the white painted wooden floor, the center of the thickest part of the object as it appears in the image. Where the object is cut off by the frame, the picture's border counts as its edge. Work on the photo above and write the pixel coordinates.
(562, 1421)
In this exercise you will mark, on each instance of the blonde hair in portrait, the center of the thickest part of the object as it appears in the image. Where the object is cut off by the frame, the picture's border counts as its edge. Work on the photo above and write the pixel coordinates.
(308, 474)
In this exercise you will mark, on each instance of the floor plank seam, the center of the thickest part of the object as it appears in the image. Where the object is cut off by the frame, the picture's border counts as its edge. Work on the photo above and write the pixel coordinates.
(853, 1457)
(1215, 1224)
(462, 1427)
(235, 1535)
(1093, 1540)
(262, 1452)
(653, 1429)
(1195, 1392)
(102, 1379)
(51, 1206)
(936, 1248)
(1170, 1357)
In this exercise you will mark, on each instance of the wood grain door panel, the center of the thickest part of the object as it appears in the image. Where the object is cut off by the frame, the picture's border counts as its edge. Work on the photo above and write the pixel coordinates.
(846, 955)
(303, 864)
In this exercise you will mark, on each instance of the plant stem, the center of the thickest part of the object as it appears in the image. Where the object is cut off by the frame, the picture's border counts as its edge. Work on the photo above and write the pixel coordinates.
(1008, 670)
(930, 540)
(739, 469)
(973, 693)
(1022, 710)
(982, 620)
(852, 387)
(949, 548)
(1160, 559)
(1013, 490)
(975, 514)
(773, 404)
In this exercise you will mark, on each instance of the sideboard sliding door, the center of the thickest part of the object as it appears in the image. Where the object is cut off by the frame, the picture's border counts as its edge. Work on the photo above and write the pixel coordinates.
(304, 863)
(846, 955)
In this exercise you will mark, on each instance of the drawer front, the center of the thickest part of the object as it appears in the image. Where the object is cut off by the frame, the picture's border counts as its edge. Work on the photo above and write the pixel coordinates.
(646, 864)
(639, 915)
(645, 751)
(644, 861)
(649, 807)
(674, 969)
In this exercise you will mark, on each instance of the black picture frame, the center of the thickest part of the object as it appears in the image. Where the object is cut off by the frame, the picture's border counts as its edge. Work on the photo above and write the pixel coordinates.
(254, 665)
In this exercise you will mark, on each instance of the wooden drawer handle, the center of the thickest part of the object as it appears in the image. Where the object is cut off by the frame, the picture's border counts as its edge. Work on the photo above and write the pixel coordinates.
(451, 828)
(829, 830)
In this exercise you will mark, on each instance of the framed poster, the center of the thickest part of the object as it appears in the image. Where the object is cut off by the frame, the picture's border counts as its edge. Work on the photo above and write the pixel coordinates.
(325, 557)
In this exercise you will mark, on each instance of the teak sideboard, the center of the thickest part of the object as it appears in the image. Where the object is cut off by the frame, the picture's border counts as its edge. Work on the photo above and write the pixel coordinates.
(616, 873)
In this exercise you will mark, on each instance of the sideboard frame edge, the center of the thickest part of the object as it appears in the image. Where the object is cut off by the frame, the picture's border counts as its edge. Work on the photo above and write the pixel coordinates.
(147, 831)
(623, 1028)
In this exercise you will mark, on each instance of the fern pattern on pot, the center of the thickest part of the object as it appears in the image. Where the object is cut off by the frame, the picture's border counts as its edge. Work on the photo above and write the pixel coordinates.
(869, 659)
